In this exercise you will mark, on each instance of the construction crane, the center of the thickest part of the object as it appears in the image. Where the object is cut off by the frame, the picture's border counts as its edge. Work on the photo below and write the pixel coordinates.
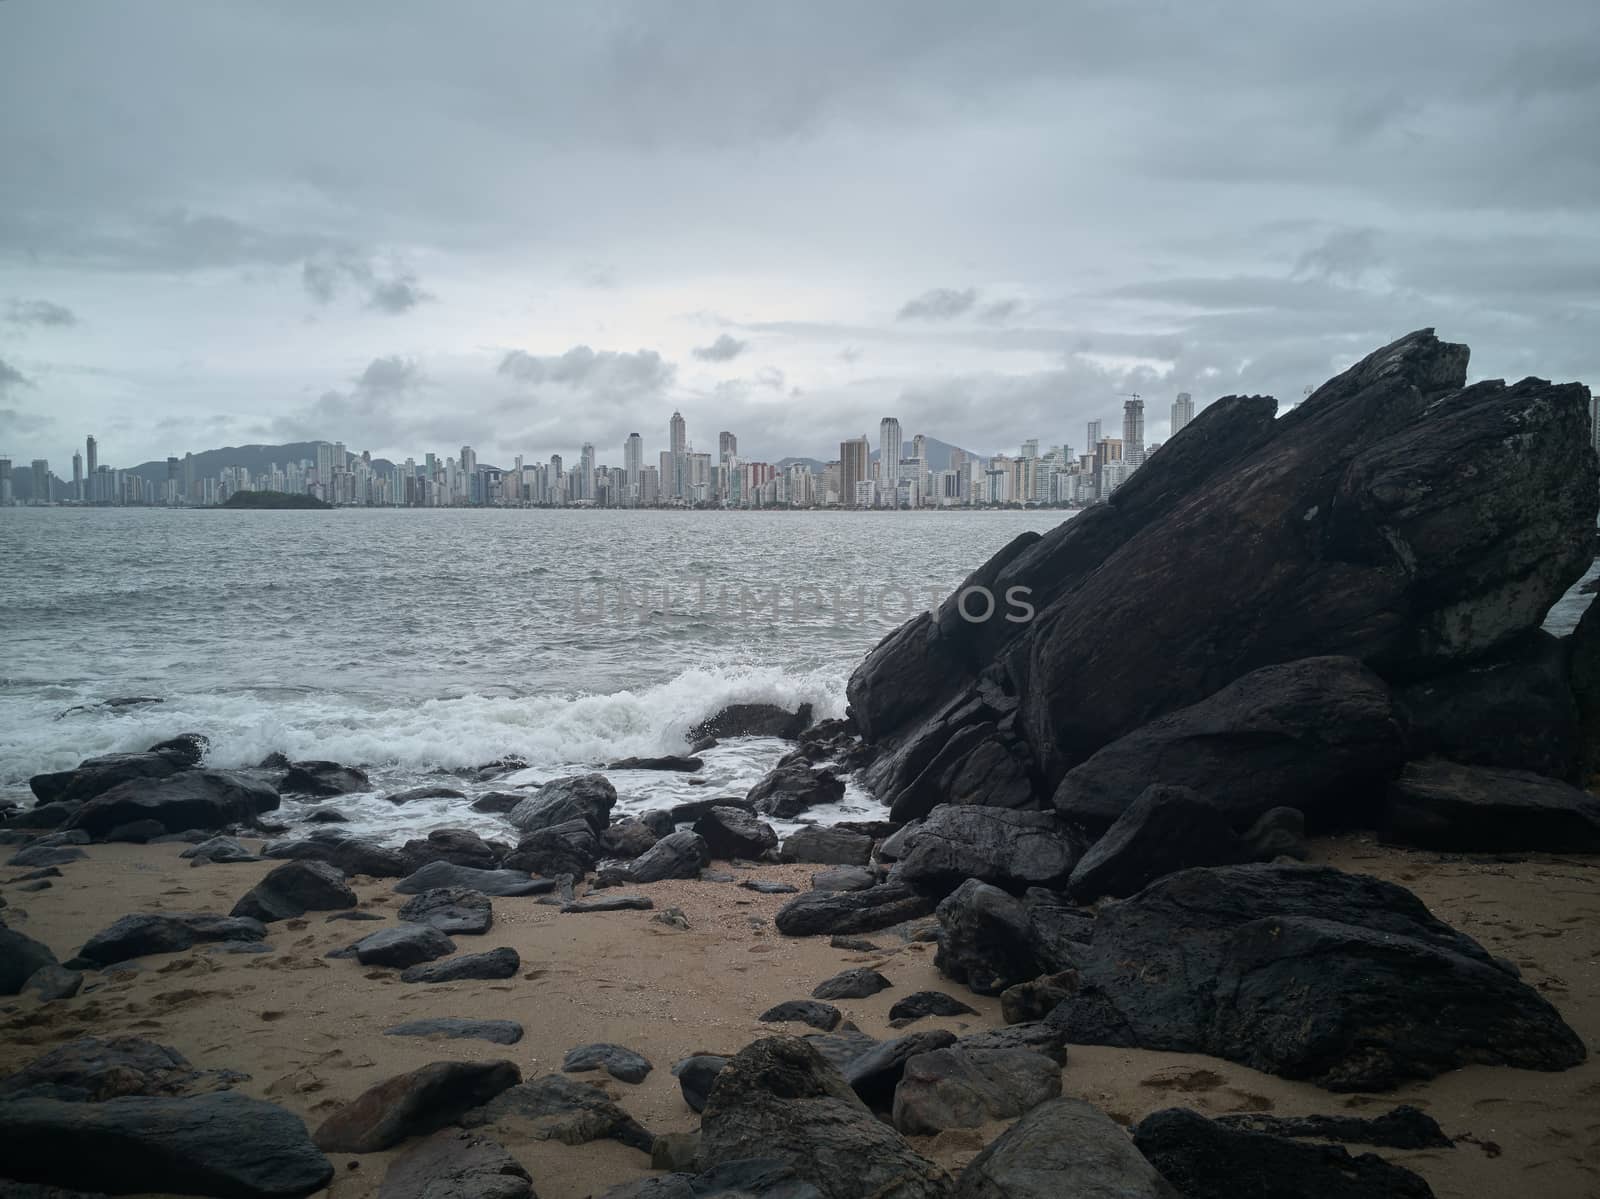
(1129, 395)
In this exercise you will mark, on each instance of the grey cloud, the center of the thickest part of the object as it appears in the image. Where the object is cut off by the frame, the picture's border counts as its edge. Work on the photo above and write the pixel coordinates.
(11, 377)
(1344, 254)
(325, 276)
(397, 295)
(999, 310)
(581, 367)
(939, 304)
(724, 349)
(13, 422)
(39, 312)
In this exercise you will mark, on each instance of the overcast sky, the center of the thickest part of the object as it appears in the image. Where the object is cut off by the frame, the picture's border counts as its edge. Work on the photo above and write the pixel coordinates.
(410, 226)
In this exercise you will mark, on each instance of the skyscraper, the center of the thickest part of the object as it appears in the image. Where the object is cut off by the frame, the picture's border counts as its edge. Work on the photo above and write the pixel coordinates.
(1030, 448)
(77, 478)
(890, 448)
(855, 457)
(91, 455)
(5, 482)
(41, 480)
(586, 472)
(632, 465)
(678, 443)
(1133, 431)
(1182, 411)
(1094, 435)
(727, 448)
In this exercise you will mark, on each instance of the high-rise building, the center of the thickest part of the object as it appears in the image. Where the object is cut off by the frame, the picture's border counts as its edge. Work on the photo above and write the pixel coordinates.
(78, 492)
(5, 483)
(586, 473)
(41, 481)
(1182, 411)
(1094, 435)
(855, 457)
(1030, 448)
(91, 454)
(677, 484)
(727, 448)
(919, 446)
(1133, 431)
(890, 448)
(632, 465)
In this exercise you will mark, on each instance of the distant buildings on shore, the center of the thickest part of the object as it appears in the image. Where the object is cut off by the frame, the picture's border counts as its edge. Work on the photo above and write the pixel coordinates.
(898, 475)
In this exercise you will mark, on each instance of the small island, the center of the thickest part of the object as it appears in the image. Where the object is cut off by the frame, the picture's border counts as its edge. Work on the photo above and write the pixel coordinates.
(271, 499)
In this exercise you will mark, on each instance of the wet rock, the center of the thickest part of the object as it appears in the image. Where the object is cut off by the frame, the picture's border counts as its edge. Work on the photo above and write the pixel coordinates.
(414, 1104)
(495, 964)
(323, 778)
(1165, 830)
(616, 1060)
(992, 940)
(1405, 1127)
(1306, 972)
(218, 1144)
(444, 875)
(677, 855)
(188, 748)
(94, 1069)
(844, 878)
(753, 720)
(777, 1098)
(821, 912)
(611, 903)
(669, 762)
(735, 833)
(929, 1003)
(1063, 1147)
(1436, 804)
(353, 855)
(787, 791)
(459, 846)
(450, 910)
(1207, 1160)
(963, 1088)
(855, 944)
(294, 889)
(165, 932)
(875, 1073)
(1013, 850)
(452, 1028)
(219, 850)
(587, 797)
(659, 821)
(207, 799)
(827, 847)
(43, 815)
(557, 1108)
(803, 1011)
(570, 847)
(626, 839)
(1322, 730)
(453, 1164)
(400, 946)
(412, 794)
(497, 802)
(21, 957)
(695, 1076)
(857, 983)
(94, 776)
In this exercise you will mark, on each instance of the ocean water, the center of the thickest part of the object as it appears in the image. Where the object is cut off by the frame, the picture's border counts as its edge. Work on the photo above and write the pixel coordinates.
(418, 643)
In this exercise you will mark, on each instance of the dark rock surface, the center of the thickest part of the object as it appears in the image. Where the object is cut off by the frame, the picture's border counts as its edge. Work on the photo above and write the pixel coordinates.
(412, 794)
(413, 1104)
(166, 932)
(991, 940)
(353, 855)
(763, 886)
(1065, 1147)
(557, 1108)
(1038, 997)
(1405, 1127)
(1321, 731)
(444, 875)
(618, 1061)
(1166, 829)
(452, 1028)
(400, 946)
(453, 1164)
(587, 797)
(294, 889)
(827, 847)
(788, 790)
(677, 855)
(821, 912)
(93, 776)
(856, 983)
(20, 958)
(493, 964)
(460, 846)
(627, 839)
(219, 849)
(218, 1144)
(46, 855)
(845, 878)
(188, 748)
(450, 910)
(874, 1074)
(803, 1011)
(677, 762)
(570, 847)
(324, 779)
(1037, 1036)
(94, 1069)
(960, 1087)
(1436, 804)
(696, 1074)
(920, 1004)
(611, 903)
(1012, 850)
(206, 799)
(1306, 972)
(735, 833)
(50, 983)
(497, 802)
(746, 1178)
(777, 1098)
(753, 720)
(1207, 1160)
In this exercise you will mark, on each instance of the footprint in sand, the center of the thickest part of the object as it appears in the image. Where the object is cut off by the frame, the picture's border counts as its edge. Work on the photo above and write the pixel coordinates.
(1185, 1079)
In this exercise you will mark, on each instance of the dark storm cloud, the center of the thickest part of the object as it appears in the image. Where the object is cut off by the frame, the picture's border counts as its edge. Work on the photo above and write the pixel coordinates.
(39, 312)
(939, 304)
(724, 349)
(590, 370)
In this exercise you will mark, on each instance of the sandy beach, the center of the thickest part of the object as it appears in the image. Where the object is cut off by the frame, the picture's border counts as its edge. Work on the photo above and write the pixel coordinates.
(309, 1031)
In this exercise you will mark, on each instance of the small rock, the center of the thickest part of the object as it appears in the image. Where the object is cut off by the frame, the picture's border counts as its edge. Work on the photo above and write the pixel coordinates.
(496, 963)
(695, 1076)
(451, 910)
(929, 1003)
(50, 983)
(401, 946)
(616, 1060)
(804, 1011)
(450, 1028)
(856, 983)
(611, 903)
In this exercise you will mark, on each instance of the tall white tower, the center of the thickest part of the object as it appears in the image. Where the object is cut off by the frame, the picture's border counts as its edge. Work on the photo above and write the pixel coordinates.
(633, 464)
(1182, 411)
(678, 443)
(890, 447)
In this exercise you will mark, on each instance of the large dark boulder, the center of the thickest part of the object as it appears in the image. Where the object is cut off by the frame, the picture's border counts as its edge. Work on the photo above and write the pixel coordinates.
(188, 748)
(570, 847)
(958, 1087)
(1205, 1159)
(1583, 675)
(992, 940)
(627, 839)
(557, 1108)
(222, 1144)
(677, 855)
(1306, 972)
(827, 846)
(495, 964)
(875, 1073)
(1014, 850)
(92, 1070)
(1436, 804)
(746, 1178)
(753, 720)
(353, 855)
(201, 799)
(696, 1074)
(439, 875)
(1521, 693)
(587, 797)
(735, 833)
(294, 889)
(817, 912)
(1165, 830)
(459, 846)
(450, 910)
(94, 776)
(779, 1099)
(1320, 731)
(323, 779)
(400, 946)
(788, 790)
(454, 1164)
(20, 958)
(413, 1104)
(1061, 1148)
(166, 932)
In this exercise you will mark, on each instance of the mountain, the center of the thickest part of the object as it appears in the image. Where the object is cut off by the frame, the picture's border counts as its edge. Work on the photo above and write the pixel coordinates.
(938, 457)
(254, 458)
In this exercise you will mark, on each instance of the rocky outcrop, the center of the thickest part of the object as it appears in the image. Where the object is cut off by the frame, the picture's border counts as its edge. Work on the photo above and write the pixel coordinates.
(1306, 972)
(460, 846)
(875, 1072)
(778, 1099)
(627, 839)
(323, 779)
(1320, 730)
(494, 964)
(587, 797)
(696, 1074)
(413, 1104)
(437, 875)
(1163, 831)
(920, 1004)
(94, 776)
(165, 932)
(1064, 1147)
(1405, 1127)
(203, 799)
(620, 1062)
(855, 983)
(992, 940)
(20, 958)
(789, 790)
(735, 833)
(294, 889)
(677, 855)
(803, 1011)
(401, 946)
(1437, 804)
(453, 1028)
(570, 847)
(753, 720)
(747, 1178)
(353, 855)
(1205, 1159)
(1013, 850)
